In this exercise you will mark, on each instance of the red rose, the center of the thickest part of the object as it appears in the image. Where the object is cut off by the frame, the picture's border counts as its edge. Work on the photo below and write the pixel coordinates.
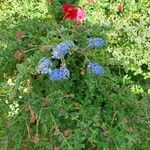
(72, 13)
(81, 15)
(67, 7)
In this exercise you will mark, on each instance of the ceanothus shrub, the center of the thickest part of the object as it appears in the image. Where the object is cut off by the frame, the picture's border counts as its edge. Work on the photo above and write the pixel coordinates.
(62, 49)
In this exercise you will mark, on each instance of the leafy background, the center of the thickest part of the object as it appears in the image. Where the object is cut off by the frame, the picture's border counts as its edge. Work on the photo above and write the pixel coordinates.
(84, 112)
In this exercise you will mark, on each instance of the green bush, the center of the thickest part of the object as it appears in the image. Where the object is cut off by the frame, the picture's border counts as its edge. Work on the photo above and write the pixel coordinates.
(86, 111)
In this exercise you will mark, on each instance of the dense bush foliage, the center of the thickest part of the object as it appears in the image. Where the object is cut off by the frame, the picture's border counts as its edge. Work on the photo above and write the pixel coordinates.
(91, 109)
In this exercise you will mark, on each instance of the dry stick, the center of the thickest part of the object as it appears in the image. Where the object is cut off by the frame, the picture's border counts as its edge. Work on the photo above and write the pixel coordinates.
(28, 130)
(37, 124)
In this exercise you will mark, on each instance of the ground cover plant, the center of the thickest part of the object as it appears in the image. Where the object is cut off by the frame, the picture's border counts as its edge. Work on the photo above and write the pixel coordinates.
(74, 75)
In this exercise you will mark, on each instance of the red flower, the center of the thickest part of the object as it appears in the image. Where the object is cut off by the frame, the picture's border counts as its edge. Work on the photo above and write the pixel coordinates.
(67, 7)
(72, 13)
(120, 7)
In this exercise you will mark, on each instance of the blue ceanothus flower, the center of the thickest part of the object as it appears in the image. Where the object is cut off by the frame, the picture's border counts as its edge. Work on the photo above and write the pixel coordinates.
(96, 42)
(62, 49)
(59, 74)
(96, 69)
(44, 66)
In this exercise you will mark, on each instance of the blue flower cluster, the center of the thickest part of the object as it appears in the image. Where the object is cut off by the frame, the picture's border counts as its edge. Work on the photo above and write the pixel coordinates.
(96, 42)
(62, 49)
(44, 66)
(58, 52)
(59, 74)
(96, 69)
